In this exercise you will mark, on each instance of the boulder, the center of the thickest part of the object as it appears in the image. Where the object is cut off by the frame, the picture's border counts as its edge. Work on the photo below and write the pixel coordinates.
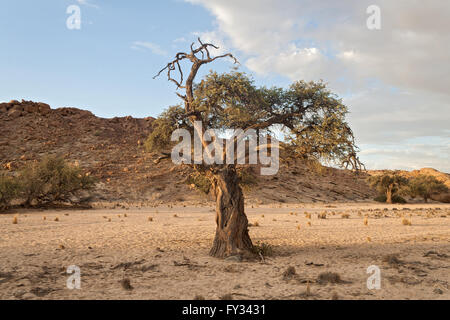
(14, 113)
(43, 108)
(31, 108)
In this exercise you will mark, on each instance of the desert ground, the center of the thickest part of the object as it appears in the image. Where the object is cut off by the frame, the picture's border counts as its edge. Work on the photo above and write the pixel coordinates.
(162, 253)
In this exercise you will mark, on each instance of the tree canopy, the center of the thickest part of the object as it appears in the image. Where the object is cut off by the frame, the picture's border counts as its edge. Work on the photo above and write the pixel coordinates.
(310, 116)
(425, 186)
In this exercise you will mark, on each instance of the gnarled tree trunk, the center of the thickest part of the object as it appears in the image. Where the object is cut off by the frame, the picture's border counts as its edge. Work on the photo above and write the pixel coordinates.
(389, 194)
(232, 225)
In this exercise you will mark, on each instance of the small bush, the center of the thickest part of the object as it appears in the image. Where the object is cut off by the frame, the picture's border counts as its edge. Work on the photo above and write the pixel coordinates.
(52, 180)
(266, 250)
(322, 215)
(395, 199)
(406, 222)
(200, 182)
(329, 277)
(8, 190)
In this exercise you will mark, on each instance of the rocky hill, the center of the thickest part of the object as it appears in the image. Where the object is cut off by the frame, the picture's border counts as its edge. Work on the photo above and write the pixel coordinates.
(112, 151)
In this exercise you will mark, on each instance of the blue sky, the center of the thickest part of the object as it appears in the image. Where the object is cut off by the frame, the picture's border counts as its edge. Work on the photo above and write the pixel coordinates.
(96, 67)
(393, 80)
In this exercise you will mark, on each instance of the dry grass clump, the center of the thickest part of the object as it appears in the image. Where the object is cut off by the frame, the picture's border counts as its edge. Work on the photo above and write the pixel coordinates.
(289, 273)
(175, 215)
(298, 227)
(406, 222)
(329, 277)
(345, 216)
(56, 219)
(264, 249)
(199, 297)
(255, 224)
(392, 259)
(309, 223)
(227, 296)
(15, 221)
(126, 284)
(150, 218)
(366, 221)
(322, 215)
(307, 215)
(44, 218)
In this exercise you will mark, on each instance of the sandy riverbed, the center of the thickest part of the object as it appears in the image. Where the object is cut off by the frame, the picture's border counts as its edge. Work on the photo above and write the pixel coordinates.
(167, 258)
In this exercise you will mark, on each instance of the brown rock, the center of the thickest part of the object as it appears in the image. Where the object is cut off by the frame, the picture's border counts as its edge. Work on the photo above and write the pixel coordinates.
(31, 108)
(14, 113)
(44, 108)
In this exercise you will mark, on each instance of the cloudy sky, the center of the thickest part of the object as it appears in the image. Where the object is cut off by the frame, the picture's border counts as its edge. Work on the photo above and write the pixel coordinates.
(395, 79)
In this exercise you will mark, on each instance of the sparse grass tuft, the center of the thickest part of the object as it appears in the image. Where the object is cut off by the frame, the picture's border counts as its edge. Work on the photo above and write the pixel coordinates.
(56, 219)
(345, 216)
(392, 259)
(265, 249)
(329, 277)
(15, 221)
(366, 221)
(406, 222)
(309, 223)
(289, 273)
(227, 296)
(322, 215)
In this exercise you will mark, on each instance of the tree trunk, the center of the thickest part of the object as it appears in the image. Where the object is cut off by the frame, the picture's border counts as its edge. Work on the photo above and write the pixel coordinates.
(232, 225)
(389, 195)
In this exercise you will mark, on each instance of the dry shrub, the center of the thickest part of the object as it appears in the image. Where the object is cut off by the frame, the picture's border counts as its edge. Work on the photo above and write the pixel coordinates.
(289, 273)
(265, 249)
(329, 277)
(406, 222)
(392, 259)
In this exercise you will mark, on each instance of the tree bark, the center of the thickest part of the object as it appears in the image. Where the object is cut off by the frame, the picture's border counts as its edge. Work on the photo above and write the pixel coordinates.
(232, 236)
(389, 195)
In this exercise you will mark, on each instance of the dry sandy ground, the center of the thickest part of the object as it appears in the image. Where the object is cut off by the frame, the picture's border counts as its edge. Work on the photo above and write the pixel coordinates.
(167, 258)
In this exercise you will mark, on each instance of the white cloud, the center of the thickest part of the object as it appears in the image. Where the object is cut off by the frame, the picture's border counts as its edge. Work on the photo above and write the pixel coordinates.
(394, 80)
(154, 48)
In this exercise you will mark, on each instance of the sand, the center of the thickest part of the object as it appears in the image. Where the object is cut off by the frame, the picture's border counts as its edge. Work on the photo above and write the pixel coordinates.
(167, 258)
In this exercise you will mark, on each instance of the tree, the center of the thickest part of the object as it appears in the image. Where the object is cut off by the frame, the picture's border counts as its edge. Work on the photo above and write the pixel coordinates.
(52, 180)
(8, 190)
(388, 184)
(425, 186)
(311, 116)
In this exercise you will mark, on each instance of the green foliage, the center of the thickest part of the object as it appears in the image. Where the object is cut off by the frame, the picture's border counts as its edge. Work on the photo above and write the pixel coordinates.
(265, 249)
(395, 199)
(162, 128)
(312, 118)
(51, 180)
(388, 184)
(200, 181)
(425, 186)
(8, 190)
(246, 178)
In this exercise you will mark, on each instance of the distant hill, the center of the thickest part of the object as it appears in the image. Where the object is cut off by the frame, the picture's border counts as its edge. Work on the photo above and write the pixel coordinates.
(112, 150)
